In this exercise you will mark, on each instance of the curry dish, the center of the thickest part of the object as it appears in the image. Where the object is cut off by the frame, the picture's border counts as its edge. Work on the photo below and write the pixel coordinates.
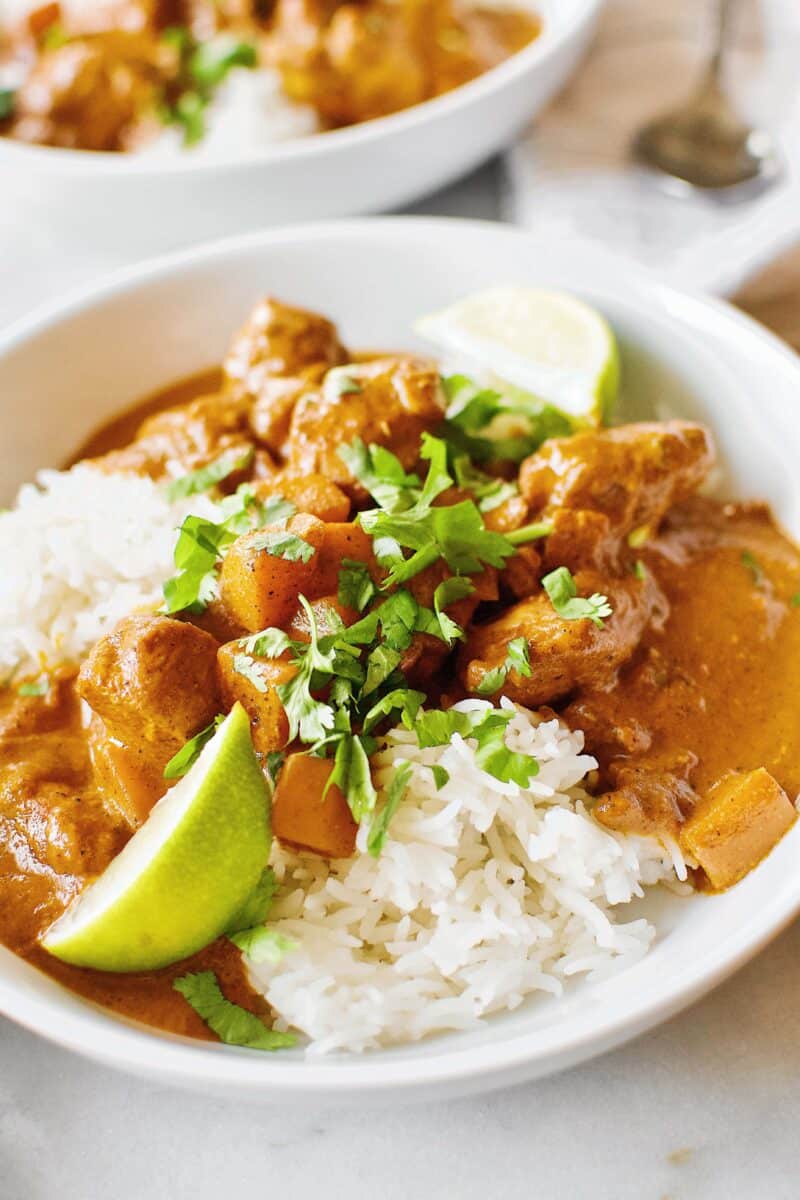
(579, 573)
(112, 76)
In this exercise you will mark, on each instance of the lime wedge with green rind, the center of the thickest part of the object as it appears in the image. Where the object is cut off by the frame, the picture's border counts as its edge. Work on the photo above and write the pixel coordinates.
(186, 872)
(548, 345)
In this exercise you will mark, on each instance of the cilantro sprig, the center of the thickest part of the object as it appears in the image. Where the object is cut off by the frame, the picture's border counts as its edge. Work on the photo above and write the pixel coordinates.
(209, 476)
(190, 751)
(230, 1022)
(517, 659)
(563, 592)
(478, 417)
(202, 544)
(202, 67)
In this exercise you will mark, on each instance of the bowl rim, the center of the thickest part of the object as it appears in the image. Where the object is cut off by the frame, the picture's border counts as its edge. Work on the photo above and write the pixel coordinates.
(521, 1054)
(558, 29)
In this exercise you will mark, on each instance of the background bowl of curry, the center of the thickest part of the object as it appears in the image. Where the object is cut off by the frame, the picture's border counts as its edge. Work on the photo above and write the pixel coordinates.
(120, 206)
(68, 369)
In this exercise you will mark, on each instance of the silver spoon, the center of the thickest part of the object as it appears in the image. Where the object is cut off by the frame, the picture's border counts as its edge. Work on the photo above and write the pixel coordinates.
(704, 142)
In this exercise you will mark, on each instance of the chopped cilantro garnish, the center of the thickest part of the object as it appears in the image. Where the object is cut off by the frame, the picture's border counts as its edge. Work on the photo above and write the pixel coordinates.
(190, 751)
(795, 600)
(232, 1024)
(262, 944)
(212, 60)
(440, 777)
(751, 563)
(255, 909)
(381, 662)
(209, 476)
(247, 667)
(404, 703)
(394, 796)
(356, 587)
(273, 762)
(381, 473)
(202, 543)
(487, 490)
(639, 569)
(517, 658)
(448, 592)
(7, 96)
(351, 775)
(472, 412)
(561, 588)
(34, 687)
(487, 726)
(279, 543)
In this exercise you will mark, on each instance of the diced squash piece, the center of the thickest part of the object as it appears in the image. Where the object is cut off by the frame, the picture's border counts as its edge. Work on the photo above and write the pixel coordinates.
(736, 824)
(131, 782)
(302, 818)
(259, 587)
(343, 539)
(268, 722)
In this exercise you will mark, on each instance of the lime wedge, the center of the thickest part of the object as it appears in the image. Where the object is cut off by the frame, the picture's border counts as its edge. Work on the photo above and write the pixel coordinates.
(547, 344)
(184, 875)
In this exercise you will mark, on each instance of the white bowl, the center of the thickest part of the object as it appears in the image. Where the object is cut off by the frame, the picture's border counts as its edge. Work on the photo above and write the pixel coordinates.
(65, 370)
(108, 203)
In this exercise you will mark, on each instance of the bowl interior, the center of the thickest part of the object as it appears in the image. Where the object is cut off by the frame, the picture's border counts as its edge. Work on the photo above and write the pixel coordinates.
(64, 372)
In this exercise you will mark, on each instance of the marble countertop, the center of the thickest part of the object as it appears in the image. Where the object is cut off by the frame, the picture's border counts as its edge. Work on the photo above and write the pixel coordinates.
(704, 1108)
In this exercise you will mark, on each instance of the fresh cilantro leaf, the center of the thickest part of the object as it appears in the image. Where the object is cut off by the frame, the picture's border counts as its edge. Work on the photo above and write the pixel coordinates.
(405, 702)
(248, 668)
(255, 909)
(202, 543)
(351, 774)
(639, 569)
(446, 593)
(7, 101)
(795, 600)
(209, 476)
(492, 681)
(752, 564)
(518, 657)
(213, 59)
(381, 662)
(232, 1024)
(440, 777)
(280, 543)
(436, 728)
(381, 473)
(356, 587)
(189, 753)
(261, 944)
(398, 619)
(34, 687)
(529, 533)
(269, 643)
(478, 420)
(560, 587)
(189, 111)
(487, 490)
(376, 839)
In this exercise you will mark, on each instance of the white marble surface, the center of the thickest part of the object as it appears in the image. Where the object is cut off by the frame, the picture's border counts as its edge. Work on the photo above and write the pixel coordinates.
(704, 1108)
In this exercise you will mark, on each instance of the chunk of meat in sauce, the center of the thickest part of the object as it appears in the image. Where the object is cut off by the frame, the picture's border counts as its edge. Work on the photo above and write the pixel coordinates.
(564, 655)
(388, 401)
(89, 93)
(598, 487)
(259, 584)
(152, 682)
(277, 355)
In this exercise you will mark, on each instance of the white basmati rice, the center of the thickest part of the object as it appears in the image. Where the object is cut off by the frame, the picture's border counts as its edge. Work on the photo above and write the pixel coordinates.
(483, 894)
(81, 549)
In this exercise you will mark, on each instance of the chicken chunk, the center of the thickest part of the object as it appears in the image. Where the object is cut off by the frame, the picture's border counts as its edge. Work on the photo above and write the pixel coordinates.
(256, 692)
(388, 401)
(737, 824)
(90, 93)
(302, 817)
(180, 440)
(279, 341)
(262, 574)
(564, 654)
(152, 681)
(311, 493)
(598, 487)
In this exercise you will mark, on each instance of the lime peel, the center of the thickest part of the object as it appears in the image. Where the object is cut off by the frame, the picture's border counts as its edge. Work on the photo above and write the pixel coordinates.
(186, 872)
